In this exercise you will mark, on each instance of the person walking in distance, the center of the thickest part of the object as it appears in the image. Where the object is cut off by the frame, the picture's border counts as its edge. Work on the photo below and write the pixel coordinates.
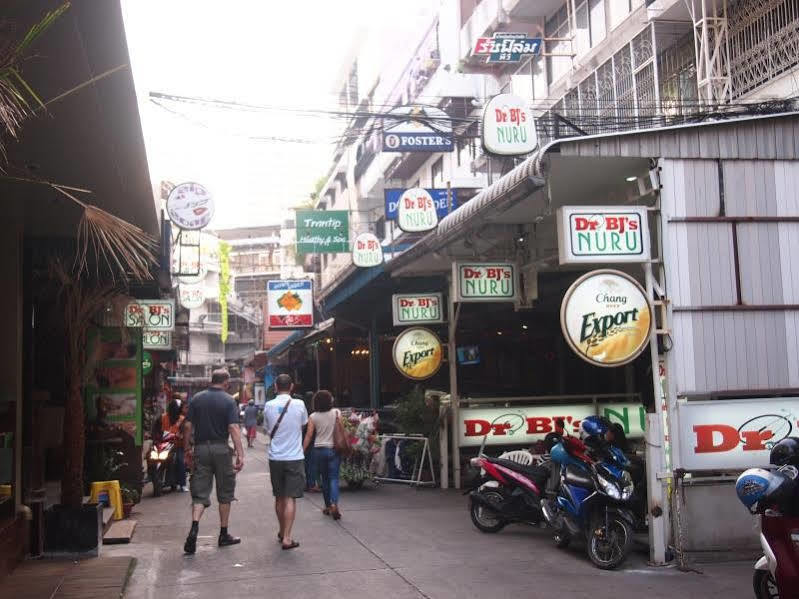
(322, 425)
(251, 421)
(284, 417)
(213, 416)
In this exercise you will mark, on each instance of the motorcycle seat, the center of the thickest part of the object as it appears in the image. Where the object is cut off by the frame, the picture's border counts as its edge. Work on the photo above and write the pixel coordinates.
(578, 477)
(538, 474)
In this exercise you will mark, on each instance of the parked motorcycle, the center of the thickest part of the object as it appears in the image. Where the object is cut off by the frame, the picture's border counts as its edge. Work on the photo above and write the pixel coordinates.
(506, 493)
(593, 501)
(772, 495)
(161, 463)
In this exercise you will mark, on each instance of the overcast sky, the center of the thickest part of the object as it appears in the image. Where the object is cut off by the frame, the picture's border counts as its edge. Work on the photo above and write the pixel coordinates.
(262, 52)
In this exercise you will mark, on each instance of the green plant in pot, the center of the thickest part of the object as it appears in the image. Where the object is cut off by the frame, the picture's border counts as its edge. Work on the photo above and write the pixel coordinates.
(416, 415)
(130, 497)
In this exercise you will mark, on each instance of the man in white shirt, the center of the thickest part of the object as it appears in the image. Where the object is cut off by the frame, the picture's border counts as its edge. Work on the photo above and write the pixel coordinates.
(284, 418)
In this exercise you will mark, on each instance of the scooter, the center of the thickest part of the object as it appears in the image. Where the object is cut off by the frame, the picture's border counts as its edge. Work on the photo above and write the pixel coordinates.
(506, 493)
(161, 463)
(592, 504)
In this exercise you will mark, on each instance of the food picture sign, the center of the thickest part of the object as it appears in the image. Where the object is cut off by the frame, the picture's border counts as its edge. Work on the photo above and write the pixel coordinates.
(734, 434)
(417, 353)
(367, 251)
(508, 126)
(417, 308)
(606, 318)
(155, 315)
(485, 281)
(526, 425)
(416, 211)
(190, 206)
(290, 304)
(590, 234)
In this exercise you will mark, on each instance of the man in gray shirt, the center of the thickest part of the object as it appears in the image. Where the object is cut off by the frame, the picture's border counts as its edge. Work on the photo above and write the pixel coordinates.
(213, 416)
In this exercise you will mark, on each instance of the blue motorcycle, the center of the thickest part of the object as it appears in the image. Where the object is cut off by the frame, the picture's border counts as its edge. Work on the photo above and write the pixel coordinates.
(593, 501)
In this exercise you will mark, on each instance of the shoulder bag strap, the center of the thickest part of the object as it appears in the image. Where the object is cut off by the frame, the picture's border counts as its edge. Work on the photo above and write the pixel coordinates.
(277, 424)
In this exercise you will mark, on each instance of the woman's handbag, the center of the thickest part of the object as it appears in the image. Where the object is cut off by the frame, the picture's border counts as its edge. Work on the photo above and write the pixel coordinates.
(341, 439)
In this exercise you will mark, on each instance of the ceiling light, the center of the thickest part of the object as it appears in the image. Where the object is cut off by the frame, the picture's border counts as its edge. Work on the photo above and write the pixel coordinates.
(499, 332)
(524, 326)
(520, 240)
(631, 179)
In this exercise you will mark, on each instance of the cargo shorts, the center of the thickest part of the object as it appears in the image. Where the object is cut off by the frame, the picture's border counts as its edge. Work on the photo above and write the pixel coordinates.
(213, 460)
(288, 478)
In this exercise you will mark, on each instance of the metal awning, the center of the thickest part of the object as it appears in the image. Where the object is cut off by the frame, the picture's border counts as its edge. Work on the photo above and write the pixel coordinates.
(303, 336)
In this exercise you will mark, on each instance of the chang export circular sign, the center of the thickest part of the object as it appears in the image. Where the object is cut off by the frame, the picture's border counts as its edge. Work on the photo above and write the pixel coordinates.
(606, 318)
(190, 206)
(417, 353)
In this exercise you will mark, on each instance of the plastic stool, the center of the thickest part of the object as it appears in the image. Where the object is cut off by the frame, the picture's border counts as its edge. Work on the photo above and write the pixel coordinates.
(114, 495)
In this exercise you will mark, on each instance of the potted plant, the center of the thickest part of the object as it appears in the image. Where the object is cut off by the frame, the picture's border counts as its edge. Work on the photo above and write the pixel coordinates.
(130, 497)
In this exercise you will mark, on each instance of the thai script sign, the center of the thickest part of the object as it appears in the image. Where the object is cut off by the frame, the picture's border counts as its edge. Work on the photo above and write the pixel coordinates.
(290, 304)
(416, 211)
(606, 318)
(155, 315)
(590, 234)
(417, 353)
(417, 308)
(323, 232)
(508, 126)
(156, 339)
(485, 281)
(442, 203)
(367, 251)
(529, 424)
(507, 47)
(417, 129)
(733, 434)
(190, 206)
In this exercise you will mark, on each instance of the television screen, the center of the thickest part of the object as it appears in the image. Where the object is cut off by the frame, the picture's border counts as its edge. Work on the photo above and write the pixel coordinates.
(468, 354)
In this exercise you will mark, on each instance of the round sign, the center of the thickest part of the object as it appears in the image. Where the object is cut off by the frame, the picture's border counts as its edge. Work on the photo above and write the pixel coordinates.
(367, 251)
(508, 126)
(146, 363)
(606, 318)
(417, 353)
(392, 141)
(416, 211)
(190, 206)
(191, 296)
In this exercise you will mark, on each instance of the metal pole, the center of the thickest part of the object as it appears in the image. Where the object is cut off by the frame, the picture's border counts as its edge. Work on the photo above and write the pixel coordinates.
(443, 451)
(655, 451)
(374, 364)
(318, 382)
(454, 312)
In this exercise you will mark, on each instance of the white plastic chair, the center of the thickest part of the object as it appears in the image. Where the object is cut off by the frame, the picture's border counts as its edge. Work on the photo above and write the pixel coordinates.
(525, 458)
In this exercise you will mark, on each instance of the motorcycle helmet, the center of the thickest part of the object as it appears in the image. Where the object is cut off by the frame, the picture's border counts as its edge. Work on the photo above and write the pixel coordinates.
(786, 452)
(593, 426)
(758, 489)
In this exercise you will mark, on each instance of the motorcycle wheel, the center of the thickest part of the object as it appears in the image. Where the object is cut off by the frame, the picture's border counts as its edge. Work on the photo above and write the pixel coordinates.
(155, 478)
(765, 585)
(609, 548)
(484, 519)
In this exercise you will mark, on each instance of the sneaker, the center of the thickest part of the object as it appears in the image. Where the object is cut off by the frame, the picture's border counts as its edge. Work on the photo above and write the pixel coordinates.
(228, 539)
(181, 489)
(190, 546)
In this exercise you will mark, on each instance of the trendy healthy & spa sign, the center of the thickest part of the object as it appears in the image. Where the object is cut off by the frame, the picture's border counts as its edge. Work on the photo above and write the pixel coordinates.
(417, 353)
(591, 234)
(290, 304)
(508, 126)
(417, 308)
(485, 281)
(323, 231)
(529, 424)
(606, 318)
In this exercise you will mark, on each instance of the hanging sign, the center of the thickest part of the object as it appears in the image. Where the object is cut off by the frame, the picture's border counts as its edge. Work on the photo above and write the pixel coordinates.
(507, 47)
(156, 339)
(367, 251)
(606, 318)
(290, 304)
(155, 315)
(416, 211)
(190, 206)
(443, 205)
(508, 126)
(323, 231)
(590, 234)
(734, 434)
(525, 425)
(417, 129)
(417, 353)
(485, 281)
(191, 296)
(146, 363)
(417, 308)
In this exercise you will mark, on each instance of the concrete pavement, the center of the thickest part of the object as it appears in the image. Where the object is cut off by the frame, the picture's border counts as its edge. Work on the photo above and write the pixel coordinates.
(392, 541)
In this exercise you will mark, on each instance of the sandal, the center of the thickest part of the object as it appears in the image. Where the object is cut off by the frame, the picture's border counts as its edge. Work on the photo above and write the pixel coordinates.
(279, 537)
(294, 545)
(326, 511)
(335, 513)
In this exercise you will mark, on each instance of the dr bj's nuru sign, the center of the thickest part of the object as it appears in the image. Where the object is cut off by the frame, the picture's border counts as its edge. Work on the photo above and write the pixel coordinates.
(485, 281)
(392, 198)
(605, 234)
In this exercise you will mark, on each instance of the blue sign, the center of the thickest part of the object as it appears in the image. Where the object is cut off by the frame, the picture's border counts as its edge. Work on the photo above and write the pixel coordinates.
(439, 197)
(418, 142)
(289, 285)
(507, 47)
